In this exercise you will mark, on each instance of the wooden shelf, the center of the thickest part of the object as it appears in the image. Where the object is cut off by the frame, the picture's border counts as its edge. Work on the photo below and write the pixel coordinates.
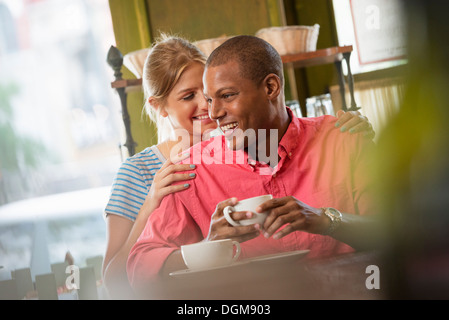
(330, 55)
(333, 55)
(124, 83)
(318, 57)
(300, 60)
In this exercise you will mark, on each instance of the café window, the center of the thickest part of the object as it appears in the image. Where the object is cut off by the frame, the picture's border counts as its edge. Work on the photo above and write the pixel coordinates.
(376, 29)
(60, 130)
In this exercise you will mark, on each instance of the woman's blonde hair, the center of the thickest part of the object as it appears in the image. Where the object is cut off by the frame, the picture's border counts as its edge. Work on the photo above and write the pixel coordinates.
(167, 59)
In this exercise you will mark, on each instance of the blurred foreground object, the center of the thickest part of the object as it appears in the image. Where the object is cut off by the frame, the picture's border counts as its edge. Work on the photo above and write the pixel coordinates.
(414, 163)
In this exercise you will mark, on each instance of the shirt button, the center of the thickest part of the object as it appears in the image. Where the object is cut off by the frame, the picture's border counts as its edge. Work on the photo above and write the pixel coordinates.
(289, 154)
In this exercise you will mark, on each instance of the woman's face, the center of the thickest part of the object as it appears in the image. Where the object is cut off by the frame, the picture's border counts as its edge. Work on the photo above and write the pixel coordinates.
(186, 105)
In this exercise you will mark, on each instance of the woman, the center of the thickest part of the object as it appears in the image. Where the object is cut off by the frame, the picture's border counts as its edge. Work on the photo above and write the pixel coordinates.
(173, 87)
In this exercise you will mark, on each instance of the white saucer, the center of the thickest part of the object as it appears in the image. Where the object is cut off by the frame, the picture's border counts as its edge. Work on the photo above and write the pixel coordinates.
(189, 271)
(280, 257)
(270, 258)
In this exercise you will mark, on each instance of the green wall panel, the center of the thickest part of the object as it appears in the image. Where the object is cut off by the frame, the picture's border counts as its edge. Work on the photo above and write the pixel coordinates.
(203, 19)
(131, 25)
(137, 22)
(316, 80)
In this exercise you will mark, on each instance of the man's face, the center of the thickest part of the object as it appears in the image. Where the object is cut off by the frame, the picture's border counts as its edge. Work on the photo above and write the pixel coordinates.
(237, 104)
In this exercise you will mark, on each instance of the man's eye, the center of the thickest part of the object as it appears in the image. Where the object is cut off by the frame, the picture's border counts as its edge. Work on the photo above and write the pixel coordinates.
(227, 95)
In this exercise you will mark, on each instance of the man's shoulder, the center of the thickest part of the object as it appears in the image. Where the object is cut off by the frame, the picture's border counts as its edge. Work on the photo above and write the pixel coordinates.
(318, 126)
(204, 150)
(322, 130)
(325, 121)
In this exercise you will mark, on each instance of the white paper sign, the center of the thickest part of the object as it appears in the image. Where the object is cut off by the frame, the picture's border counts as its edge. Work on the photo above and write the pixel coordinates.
(379, 28)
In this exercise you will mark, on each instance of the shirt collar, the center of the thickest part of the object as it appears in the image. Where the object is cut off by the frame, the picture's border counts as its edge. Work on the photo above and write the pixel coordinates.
(286, 148)
(290, 139)
(287, 145)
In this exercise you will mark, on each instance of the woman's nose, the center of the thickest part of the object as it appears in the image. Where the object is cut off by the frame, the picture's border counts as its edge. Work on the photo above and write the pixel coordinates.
(202, 104)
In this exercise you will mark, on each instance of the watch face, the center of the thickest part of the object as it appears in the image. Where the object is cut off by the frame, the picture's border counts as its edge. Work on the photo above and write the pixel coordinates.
(334, 213)
(335, 216)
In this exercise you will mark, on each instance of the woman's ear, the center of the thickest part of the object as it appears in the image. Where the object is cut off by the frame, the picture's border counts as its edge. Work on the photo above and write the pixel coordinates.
(272, 85)
(154, 103)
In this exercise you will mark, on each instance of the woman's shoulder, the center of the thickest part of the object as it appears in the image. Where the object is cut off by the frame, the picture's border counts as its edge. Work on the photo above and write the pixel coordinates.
(150, 156)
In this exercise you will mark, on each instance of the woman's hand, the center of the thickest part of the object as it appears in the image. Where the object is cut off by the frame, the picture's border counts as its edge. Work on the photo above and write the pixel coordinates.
(163, 184)
(354, 121)
(294, 215)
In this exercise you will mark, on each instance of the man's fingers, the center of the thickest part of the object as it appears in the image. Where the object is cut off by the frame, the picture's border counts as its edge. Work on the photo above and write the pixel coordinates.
(289, 228)
(277, 213)
(240, 234)
(243, 233)
(271, 204)
(221, 205)
(279, 221)
(241, 215)
(248, 236)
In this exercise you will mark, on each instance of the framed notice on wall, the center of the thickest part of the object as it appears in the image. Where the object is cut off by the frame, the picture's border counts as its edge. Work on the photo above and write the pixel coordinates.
(379, 28)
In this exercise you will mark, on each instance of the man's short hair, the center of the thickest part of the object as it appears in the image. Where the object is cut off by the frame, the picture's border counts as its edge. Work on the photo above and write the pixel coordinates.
(256, 57)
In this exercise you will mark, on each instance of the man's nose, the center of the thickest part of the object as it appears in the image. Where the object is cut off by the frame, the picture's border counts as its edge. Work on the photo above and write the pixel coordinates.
(215, 110)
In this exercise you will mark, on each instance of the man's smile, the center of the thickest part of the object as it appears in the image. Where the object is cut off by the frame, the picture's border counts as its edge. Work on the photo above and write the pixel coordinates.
(229, 128)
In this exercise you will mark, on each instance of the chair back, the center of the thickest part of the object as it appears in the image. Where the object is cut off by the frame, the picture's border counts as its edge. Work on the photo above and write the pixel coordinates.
(46, 286)
(8, 290)
(24, 282)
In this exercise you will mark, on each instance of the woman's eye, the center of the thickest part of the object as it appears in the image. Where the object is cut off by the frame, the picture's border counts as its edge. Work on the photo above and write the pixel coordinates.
(188, 97)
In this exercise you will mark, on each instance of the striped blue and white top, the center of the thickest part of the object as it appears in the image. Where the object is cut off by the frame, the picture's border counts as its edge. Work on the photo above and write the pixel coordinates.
(133, 181)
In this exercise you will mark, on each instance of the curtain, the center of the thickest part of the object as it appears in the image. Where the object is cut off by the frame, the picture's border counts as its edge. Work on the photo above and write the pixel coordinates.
(378, 99)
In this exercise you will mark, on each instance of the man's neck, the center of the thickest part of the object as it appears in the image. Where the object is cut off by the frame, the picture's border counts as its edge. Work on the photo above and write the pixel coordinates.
(271, 142)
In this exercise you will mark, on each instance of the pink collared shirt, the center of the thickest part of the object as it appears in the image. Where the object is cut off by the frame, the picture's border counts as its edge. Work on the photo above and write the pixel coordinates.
(318, 165)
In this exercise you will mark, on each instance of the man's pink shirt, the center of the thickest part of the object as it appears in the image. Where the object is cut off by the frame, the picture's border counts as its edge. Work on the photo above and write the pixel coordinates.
(318, 165)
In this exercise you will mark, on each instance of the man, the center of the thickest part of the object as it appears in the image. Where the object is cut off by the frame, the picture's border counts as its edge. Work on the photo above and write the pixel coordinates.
(315, 167)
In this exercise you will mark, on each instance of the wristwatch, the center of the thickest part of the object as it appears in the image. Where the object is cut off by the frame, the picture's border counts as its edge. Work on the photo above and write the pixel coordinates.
(335, 216)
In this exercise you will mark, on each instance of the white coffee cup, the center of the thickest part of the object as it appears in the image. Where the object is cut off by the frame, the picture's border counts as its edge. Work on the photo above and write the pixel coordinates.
(249, 204)
(210, 254)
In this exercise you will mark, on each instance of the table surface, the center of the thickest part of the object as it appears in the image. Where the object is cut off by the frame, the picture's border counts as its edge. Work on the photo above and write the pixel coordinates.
(339, 277)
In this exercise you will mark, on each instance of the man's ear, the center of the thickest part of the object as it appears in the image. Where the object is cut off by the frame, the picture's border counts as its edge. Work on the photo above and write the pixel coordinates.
(154, 103)
(272, 84)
